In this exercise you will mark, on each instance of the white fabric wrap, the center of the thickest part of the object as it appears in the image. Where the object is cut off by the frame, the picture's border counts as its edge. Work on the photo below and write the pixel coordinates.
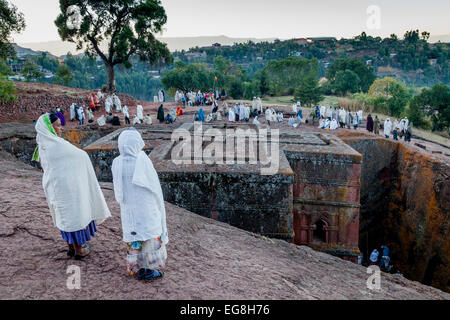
(138, 191)
(70, 185)
(140, 112)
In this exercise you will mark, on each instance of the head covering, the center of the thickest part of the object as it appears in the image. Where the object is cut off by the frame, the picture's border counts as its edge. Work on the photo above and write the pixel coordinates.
(201, 115)
(153, 218)
(45, 129)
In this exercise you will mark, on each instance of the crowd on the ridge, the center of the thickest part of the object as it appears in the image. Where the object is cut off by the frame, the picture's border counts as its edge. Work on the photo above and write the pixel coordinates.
(212, 106)
(334, 118)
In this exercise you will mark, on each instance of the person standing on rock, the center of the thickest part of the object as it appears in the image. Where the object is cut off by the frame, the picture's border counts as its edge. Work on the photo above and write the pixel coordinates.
(126, 114)
(160, 115)
(73, 194)
(138, 191)
(60, 115)
(387, 128)
(376, 125)
(81, 116)
(140, 112)
(369, 124)
(408, 132)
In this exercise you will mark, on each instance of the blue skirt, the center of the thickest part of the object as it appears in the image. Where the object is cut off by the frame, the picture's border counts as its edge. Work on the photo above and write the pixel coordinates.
(80, 237)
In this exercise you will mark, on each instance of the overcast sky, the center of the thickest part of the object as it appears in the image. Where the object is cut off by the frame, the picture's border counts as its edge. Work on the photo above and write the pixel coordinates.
(282, 19)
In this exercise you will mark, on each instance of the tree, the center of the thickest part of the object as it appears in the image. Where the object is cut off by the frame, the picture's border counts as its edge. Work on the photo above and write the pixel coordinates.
(412, 36)
(11, 20)
(188, 78)
(365, 73)
(285, 75)
(63, 75)
(425, 35)
(7, 90)
(30, 71)
(416, 114)
(346, 81)
(308, 92)
(435, 103)
(126, 27)
(389, 96)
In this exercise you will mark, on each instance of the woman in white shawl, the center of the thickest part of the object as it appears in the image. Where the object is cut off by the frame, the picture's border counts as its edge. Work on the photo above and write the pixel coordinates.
(231, 115)
(73, 194)
(138, 191)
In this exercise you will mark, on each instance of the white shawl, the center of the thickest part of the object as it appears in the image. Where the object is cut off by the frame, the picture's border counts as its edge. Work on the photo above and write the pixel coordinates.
(139, 193)
(140, 112)
(70, 185)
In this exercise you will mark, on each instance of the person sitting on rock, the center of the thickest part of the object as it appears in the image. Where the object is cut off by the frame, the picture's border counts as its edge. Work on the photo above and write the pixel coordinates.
(109, 117)
(73, 194)
(115, 121)
(138, 191)
(148, 119)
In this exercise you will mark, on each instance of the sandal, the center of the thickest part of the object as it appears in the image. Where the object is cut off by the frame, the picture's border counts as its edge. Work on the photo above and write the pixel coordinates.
(153, 274)
(141, 274)
(87, 252)
(71, 251)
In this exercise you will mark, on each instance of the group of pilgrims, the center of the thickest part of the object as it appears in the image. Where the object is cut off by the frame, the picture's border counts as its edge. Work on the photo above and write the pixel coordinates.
(192, 98)
(77, 204)
(333, 118)
(402, 129)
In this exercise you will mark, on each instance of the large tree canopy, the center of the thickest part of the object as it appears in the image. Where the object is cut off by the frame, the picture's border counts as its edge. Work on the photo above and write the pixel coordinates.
(190, 77)
(285, 75)
(125, 27)
(365, 73)
(11, 20)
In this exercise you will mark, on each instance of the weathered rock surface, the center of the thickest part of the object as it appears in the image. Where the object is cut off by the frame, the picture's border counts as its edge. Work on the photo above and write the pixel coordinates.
(207, 259)
(35, 98)
(405, 204)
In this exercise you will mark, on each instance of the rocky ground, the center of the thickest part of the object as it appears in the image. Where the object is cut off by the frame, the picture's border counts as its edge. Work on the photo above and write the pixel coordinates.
(207, 259)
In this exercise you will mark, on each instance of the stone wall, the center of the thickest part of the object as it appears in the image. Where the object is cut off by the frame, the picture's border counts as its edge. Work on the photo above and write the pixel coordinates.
(405, 204)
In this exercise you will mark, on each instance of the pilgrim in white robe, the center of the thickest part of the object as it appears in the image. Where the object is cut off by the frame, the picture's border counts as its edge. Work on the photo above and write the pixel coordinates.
(69, 181)
(125, 111)
(138, 191)
(101, 121)
(241, 112)
(148, 120)
(140, 112)
(322, 111)
(231, 115)
(333, 125)
(117, 103)
(280, 117)
(254, 104)
(72, 112)
(329, 113)
(109, 104)
(360, 116)
(294, 108)
(260, 106)
(342, 114)
(321, 124)
(387, 127)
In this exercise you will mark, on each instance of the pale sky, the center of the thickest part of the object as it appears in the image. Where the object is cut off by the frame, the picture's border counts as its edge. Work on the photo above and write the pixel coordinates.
(284, 19)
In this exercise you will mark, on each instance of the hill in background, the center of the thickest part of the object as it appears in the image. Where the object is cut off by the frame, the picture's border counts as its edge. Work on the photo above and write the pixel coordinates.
(60, 48)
